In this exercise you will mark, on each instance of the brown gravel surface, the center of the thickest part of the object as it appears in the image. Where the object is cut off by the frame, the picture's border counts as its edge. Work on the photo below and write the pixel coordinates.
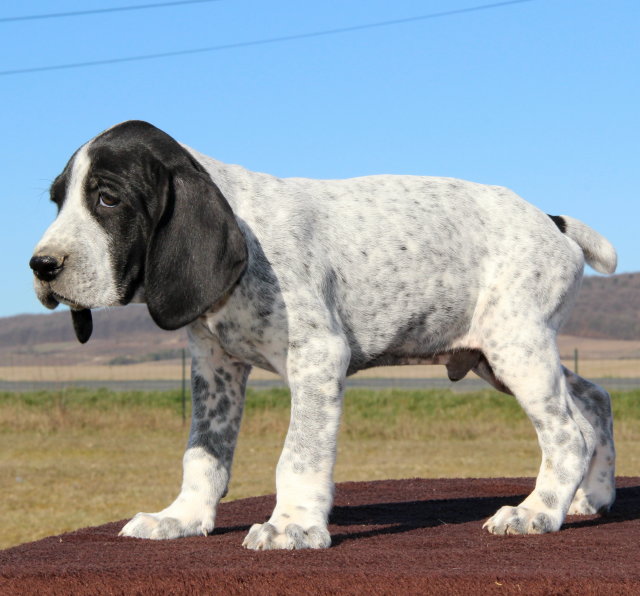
(389, 537)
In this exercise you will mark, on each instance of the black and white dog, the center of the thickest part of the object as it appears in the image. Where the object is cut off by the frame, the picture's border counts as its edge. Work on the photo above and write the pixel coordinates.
(315, 280)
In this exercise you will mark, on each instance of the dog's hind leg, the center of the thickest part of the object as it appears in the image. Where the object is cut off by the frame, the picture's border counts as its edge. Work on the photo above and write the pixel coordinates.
(529, 365)
(597, 491)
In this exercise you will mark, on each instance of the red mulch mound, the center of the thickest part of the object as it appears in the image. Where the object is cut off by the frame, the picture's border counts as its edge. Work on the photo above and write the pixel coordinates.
(389, 537)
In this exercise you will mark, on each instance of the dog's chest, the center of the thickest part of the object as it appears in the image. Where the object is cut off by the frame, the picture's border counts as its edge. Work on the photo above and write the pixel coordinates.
(252, 332)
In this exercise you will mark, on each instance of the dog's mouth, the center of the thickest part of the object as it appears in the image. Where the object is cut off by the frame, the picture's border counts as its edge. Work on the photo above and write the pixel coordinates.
(80, 314)
(61, 299)
(45, 294)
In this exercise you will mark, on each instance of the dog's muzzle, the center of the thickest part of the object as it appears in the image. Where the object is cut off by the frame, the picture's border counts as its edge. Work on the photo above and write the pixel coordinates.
(46, 268)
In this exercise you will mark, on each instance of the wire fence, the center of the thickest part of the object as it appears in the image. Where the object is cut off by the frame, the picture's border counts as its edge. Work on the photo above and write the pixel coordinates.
(170, 371)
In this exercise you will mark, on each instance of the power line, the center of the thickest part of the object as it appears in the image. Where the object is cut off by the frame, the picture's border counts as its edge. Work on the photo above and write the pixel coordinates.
(259, 42)
(78, 13)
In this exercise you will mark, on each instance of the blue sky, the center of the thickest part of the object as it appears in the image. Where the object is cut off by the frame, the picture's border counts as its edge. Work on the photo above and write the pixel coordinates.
(541, 96)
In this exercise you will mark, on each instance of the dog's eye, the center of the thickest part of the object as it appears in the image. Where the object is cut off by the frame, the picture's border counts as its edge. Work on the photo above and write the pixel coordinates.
(108, 201)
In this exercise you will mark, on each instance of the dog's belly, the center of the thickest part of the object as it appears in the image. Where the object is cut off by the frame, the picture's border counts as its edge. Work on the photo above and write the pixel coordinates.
(409, 354)
(458, 362)
(394, 326)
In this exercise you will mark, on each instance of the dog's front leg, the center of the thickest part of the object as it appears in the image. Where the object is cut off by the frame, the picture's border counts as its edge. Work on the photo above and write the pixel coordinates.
(304, 478)
(218, 387)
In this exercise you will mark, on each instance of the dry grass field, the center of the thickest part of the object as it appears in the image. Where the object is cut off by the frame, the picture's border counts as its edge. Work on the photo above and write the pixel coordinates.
(76, 458)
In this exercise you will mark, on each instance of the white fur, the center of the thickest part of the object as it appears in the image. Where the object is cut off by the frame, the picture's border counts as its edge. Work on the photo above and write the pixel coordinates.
(598, 251)
(87, 279)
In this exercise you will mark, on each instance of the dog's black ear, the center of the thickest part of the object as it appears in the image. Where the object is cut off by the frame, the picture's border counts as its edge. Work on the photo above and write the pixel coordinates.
(196, 252)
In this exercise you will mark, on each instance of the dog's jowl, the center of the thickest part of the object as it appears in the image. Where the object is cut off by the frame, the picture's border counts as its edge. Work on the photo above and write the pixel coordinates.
(315, 280)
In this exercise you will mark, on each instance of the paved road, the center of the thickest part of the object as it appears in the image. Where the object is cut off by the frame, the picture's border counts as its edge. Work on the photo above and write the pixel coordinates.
(381, 383)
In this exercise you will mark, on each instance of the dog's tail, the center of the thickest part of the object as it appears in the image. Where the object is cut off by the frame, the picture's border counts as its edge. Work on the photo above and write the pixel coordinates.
(598, 251)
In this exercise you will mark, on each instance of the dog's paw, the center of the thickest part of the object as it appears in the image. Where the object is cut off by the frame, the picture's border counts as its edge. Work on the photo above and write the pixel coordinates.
(266, 537)
(521, 520)
(157, 526)
(590, 504)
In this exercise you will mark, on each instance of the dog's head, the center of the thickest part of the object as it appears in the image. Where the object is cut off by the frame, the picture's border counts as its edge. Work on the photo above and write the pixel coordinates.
(138, 218)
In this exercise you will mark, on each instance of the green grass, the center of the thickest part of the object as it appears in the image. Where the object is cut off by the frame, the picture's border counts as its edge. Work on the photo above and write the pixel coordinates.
(81, 457)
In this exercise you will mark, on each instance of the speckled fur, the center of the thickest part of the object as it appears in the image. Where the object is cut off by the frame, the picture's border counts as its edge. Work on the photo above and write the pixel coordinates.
(344, 275)
(411, 268)
(218, 387)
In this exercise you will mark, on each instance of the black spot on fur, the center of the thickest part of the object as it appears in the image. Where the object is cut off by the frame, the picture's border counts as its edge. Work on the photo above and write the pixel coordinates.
(560, 222)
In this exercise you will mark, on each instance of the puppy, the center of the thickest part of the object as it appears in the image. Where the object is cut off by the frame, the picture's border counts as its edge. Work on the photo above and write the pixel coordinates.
(315, 280)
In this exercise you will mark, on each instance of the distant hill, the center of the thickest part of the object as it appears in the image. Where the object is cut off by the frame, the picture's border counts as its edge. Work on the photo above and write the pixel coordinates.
(606, 308)
(56, 327)
(120, 335)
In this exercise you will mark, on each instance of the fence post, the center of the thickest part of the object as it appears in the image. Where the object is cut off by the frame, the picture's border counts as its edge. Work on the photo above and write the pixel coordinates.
(184, 387)
(575, 360)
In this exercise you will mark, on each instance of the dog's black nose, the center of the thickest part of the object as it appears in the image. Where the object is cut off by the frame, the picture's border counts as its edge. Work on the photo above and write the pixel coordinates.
(46, 267)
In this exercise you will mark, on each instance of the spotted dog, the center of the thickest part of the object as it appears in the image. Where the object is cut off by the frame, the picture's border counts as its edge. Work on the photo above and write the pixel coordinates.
(315, 280)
